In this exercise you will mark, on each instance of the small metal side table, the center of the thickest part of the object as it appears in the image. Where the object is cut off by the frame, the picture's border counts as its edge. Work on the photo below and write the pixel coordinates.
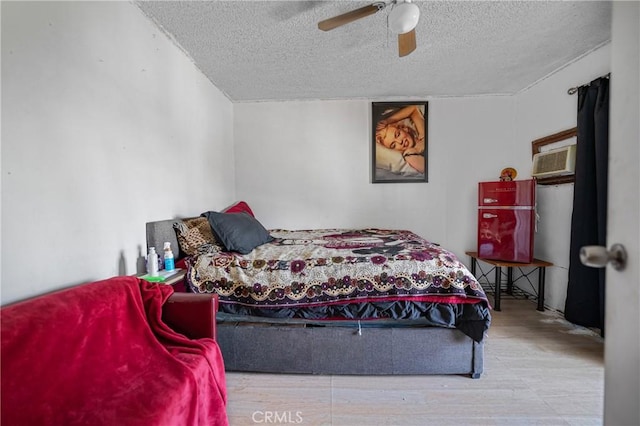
(537, 264)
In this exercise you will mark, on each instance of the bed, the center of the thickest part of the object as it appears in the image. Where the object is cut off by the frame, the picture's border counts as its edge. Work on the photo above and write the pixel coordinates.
(334, 301)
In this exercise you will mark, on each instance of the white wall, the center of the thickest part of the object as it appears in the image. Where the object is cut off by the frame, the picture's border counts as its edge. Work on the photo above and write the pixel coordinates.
(307, 165)
(542, 110)
(105, 125)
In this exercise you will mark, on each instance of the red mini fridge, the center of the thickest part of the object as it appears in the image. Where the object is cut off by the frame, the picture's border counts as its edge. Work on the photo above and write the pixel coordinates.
(506, 220)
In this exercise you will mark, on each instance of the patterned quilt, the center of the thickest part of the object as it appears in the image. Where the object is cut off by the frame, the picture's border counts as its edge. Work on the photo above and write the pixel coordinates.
(317, 267)
(338, 274)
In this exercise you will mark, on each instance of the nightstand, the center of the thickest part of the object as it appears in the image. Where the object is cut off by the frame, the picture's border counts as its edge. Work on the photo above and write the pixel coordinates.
(172, 279)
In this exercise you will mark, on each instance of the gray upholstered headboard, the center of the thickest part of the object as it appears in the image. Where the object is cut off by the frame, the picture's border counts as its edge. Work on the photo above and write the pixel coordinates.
(161, 231)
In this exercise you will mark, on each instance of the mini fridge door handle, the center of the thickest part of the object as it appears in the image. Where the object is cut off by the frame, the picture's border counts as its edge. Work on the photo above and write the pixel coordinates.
(489, 215)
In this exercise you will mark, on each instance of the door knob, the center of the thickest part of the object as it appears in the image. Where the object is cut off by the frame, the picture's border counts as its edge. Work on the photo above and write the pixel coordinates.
(599, 256)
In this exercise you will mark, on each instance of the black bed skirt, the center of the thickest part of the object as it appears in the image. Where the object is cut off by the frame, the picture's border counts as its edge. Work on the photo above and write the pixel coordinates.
(473, 319)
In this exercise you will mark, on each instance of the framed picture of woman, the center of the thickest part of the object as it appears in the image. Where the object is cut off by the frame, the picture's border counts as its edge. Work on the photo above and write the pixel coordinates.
(399, 142)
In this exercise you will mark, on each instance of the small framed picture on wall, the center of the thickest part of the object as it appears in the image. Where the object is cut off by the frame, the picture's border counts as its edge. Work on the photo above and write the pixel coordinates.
(399, 142)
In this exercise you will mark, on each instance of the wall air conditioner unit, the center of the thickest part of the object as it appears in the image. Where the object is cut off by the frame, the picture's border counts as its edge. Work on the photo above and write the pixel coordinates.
(555, 162)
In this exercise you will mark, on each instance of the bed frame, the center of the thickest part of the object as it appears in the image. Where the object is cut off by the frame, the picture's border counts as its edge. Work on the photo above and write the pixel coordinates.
(325, 349)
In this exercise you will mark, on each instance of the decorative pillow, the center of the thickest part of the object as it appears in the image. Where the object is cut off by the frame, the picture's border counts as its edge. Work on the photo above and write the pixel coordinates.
(238, 232)
(192, 234)
(239, 207)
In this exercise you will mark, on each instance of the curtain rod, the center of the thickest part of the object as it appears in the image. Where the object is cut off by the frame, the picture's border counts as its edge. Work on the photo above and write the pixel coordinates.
(574, 90)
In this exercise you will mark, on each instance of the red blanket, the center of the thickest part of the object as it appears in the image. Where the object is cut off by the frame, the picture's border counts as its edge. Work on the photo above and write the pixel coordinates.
(99, 354)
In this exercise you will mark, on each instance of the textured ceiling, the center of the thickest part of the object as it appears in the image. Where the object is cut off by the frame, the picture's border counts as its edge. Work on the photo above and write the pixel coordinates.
(273, 50)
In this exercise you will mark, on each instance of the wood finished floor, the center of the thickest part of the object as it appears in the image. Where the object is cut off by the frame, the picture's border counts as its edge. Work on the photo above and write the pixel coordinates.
(538, 370)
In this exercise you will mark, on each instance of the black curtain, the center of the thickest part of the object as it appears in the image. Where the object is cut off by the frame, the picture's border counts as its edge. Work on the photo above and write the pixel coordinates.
(585, 291)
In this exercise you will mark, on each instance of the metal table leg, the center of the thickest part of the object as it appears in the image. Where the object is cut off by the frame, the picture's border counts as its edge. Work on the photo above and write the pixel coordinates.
(509, 280)
(497, 288)
(541, 277)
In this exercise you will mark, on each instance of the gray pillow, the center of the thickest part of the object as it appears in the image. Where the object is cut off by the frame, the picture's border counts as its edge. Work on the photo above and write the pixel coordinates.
(238, 232)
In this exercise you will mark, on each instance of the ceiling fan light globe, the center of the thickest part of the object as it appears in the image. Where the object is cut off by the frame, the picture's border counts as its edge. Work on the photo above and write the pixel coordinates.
(403, 17)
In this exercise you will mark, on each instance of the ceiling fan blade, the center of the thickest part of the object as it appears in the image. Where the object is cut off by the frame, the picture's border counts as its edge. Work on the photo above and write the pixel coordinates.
(345, 18)
(406, 43)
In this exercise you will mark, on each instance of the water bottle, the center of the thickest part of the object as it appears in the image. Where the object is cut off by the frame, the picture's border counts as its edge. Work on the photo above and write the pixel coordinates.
(152, 262)
(169, 264)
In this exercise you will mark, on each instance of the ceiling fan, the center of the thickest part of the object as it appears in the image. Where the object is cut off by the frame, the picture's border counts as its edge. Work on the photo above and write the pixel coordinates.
(402, 20)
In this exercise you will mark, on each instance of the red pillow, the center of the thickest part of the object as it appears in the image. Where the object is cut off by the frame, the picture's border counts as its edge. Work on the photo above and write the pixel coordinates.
(239, 207)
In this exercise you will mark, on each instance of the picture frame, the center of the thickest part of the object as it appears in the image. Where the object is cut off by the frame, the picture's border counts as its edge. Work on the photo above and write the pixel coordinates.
(399, 142)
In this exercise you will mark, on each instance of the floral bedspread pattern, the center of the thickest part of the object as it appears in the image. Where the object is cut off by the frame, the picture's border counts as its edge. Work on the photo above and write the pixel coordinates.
(335, 266)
